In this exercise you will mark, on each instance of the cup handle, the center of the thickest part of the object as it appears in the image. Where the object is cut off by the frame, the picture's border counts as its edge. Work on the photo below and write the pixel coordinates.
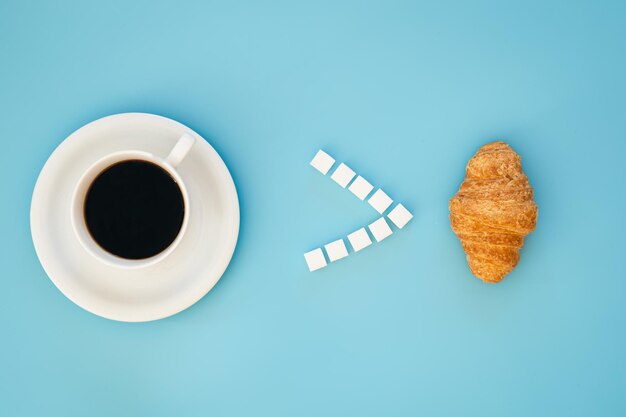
(180, 150)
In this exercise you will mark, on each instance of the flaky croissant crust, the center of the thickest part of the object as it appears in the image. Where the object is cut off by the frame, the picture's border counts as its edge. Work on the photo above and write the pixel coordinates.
(493, 211)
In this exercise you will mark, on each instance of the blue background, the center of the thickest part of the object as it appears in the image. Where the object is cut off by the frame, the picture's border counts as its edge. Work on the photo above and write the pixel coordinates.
(405, 93)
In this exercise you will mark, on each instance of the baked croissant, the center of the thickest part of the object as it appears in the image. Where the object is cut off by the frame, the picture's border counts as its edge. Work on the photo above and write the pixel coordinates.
(493, 211)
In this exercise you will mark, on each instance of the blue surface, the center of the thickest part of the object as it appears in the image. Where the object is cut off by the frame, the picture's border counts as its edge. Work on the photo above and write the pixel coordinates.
(405, 92)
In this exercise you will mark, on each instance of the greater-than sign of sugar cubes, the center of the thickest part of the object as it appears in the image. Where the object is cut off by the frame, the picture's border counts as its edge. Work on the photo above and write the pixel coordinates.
(343, 175)
(400, 216)
(336, 250)
(380, 201)
(359, 239)
(315, 259)
(380, 229)
(322, 162)
(361, 187)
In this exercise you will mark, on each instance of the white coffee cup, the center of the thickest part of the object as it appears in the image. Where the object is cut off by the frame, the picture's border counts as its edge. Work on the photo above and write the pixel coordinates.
(169, 164)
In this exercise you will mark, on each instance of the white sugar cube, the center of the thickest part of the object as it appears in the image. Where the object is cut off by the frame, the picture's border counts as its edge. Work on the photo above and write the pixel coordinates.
(359, 239)
(343, 175)
(400, 216)
(315, 259)
(322, 162)
(361, 187)
(380, 229)
(380, 201)
(336, 250)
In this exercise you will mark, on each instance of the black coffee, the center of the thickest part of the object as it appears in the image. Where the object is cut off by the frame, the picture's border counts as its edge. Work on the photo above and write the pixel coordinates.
(134, 209)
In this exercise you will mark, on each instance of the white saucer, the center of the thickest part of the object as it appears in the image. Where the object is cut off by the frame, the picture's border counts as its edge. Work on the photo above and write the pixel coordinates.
(154, 292)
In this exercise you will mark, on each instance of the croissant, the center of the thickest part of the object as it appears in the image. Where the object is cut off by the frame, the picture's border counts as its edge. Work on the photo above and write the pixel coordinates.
(493, 211)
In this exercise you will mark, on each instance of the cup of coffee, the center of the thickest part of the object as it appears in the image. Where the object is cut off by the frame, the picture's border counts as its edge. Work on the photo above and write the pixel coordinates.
(130, 209)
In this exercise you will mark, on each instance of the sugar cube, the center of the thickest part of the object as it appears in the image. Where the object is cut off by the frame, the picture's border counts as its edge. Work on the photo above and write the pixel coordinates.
(380, 229)
(359, 239)
(336, 250)
(315, 259)
(343, 175)
(322, 162)
(400, 216)
(380, 201)
(361, 187)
